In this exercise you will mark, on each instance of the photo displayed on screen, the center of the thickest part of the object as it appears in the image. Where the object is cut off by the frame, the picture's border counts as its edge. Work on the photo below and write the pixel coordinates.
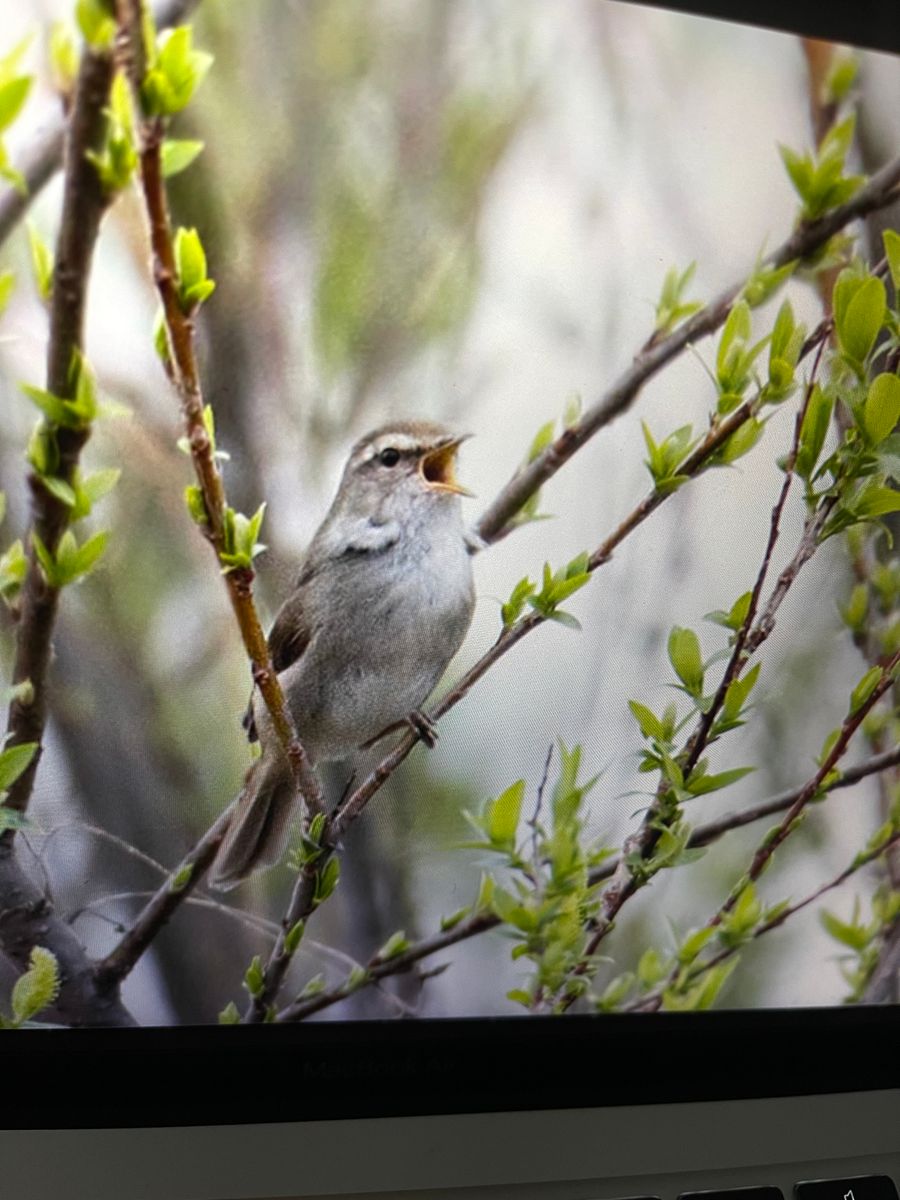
(449, 469)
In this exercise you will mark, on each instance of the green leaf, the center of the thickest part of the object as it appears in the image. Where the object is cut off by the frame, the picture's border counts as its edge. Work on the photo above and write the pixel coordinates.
(326, 880)
(453, 919)
(651, 968)
(175, 74)
(64, 57)
(685, 657)
(53, 407)
(693, 944)
(398, 943)
(875, 500)
(13, 94)
(41, 262)
(181, 878)
(512, 609)
(293, 937)
(704, 784)
(857, 937)
(542, 440)
(190, 257)
(70, 560)
(92, 489)
(254, 979)
(892, 249)
(13, 761)
(651, 726)
(502, 816)
(856, 608)
(486, 888)
(229, 1014)
(313, 987)
(97, 24)
(863, 318)
(765, 282)
(737, 693)
(177, 155)
(38, 987)
(864, 689)
(196, 505)
(7, 283)
(882, 407)
(741, 441)
(814, 430)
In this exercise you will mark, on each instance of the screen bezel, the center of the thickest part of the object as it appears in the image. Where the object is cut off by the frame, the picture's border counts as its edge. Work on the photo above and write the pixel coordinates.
(130, 1078)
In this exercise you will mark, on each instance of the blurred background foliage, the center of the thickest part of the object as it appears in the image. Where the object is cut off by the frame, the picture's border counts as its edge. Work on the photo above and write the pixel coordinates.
(459, 210)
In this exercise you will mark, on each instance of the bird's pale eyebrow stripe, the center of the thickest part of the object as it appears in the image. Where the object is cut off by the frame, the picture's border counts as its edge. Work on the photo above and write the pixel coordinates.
(401, 442)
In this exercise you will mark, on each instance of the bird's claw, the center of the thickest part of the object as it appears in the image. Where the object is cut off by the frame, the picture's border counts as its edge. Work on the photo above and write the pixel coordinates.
(424, 726)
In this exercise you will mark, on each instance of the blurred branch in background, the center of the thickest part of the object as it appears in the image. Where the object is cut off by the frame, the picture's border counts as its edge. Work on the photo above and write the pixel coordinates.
(45, 157)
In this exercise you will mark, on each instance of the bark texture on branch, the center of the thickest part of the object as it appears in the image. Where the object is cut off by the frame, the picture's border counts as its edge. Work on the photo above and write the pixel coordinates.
(84, 204)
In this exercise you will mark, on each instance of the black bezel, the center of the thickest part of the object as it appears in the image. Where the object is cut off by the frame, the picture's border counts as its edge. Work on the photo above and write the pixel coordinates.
(129, 1078)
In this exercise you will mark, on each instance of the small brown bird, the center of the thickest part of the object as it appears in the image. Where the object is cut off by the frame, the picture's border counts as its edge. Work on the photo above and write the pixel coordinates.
(382, 603)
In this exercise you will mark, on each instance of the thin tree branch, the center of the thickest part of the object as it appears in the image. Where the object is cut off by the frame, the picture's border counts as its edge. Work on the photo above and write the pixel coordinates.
(494, 523)
(28, 919)
(653, 1001)
(741, 652)
(626, 882)
(84, 204)
(166, 899)
(184, 372)
(703, 835)
(44, 158)
(781, 832)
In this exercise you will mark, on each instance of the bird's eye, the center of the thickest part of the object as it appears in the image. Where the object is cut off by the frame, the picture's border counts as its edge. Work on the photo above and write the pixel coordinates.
(389, 457)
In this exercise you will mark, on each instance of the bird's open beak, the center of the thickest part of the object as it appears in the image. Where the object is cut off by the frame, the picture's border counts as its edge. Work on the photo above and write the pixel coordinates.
(437, 468)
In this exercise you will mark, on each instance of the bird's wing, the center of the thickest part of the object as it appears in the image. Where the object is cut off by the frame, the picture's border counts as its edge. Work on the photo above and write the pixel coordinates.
(290, 635)
(288, 638)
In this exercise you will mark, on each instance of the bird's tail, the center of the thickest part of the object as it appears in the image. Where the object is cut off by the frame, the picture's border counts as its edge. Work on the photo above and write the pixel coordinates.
(258, 833)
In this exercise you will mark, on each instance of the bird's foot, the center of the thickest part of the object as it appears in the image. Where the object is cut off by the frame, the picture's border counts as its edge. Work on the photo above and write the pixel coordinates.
(423, 725)
(417, 721)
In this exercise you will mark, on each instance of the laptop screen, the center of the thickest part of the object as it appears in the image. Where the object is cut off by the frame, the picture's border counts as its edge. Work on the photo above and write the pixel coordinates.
(450, 465)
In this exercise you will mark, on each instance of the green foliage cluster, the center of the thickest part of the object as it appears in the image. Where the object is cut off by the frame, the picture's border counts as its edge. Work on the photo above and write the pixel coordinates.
(541, 890)
(35, 990)
(865, 940)
(556, 586)
(819, 178)
(15, 84)
(68, 561)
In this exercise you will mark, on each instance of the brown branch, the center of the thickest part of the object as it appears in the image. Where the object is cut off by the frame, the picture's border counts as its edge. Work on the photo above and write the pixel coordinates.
(28, 919)
(781, 832)
(176, 888)
(494, 523)
(44, 158)
(741, 651)
(186, 379)
(626, 882)
(703, 835)
(84, 204)
(301, 905)
(653, 1001)
(777, 836)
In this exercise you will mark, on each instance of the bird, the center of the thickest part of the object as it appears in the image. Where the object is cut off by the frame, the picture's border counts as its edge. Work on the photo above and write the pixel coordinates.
(382, 603)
